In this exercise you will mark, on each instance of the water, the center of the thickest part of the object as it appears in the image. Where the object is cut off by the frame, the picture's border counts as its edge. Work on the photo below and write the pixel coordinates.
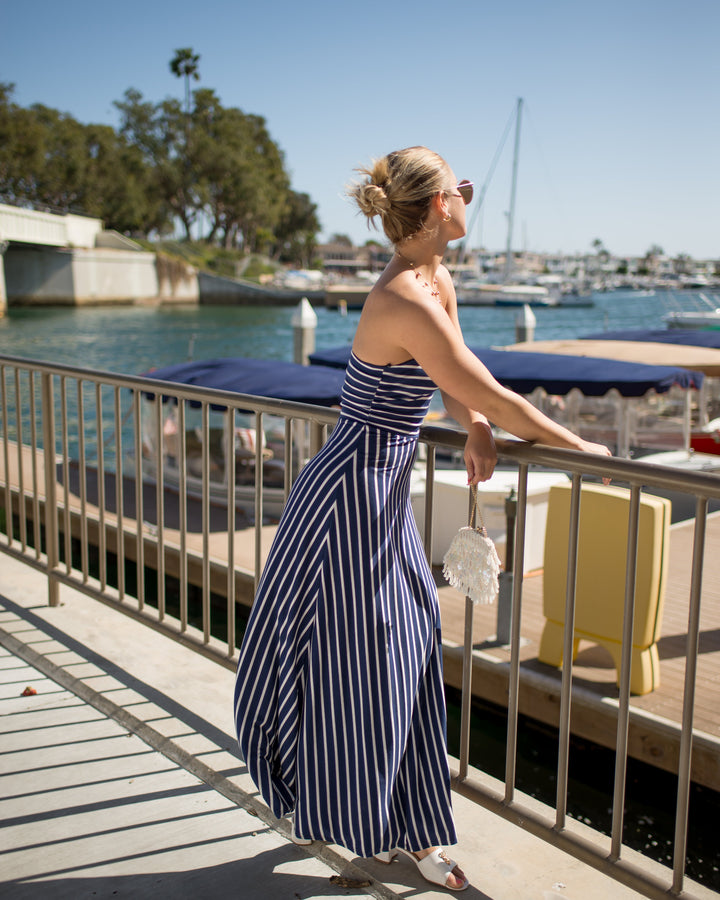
(131, 340)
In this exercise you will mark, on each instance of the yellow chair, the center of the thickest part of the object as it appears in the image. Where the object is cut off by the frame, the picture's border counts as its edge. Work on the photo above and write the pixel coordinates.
(600, 593)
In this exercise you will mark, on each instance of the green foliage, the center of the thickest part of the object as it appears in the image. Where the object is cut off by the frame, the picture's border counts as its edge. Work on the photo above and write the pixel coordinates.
(229, 263)
(297, 230)
(257, 267)
(205, 164)
(50, 159)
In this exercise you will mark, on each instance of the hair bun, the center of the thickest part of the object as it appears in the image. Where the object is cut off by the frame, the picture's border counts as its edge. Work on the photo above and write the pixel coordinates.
(373, 200)
(398, 189)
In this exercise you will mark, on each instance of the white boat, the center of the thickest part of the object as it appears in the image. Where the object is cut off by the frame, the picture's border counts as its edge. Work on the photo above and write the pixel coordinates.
(483, 293)
(226, 429)
(709, 318)
(706, 317)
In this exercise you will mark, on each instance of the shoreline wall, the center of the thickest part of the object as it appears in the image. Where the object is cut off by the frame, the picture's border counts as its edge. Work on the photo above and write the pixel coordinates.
(215, 290)
(42, 276)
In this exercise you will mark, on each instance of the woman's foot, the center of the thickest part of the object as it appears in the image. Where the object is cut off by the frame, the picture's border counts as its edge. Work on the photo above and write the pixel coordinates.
(436, 867)
(301, 842)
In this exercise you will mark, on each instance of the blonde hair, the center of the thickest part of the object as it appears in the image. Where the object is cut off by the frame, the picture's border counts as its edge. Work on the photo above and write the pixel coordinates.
(398, 188)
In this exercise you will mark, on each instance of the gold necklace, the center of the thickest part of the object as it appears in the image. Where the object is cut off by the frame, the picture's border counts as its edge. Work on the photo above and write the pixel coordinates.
(434, 290)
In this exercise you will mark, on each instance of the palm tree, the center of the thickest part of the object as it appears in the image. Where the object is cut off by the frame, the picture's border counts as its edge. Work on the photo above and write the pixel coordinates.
(185, 65)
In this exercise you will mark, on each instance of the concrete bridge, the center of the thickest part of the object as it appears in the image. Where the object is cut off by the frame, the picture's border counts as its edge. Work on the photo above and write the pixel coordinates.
(68, 259)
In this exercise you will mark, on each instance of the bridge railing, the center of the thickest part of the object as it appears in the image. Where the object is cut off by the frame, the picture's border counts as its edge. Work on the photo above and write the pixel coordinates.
(90, 472)
(47, 227)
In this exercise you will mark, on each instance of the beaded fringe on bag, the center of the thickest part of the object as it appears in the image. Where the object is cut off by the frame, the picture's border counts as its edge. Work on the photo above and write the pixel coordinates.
(471, 563)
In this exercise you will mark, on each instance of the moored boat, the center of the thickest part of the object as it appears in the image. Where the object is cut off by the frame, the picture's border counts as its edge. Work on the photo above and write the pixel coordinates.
(483, 293)
(275, 379)
(706, 316)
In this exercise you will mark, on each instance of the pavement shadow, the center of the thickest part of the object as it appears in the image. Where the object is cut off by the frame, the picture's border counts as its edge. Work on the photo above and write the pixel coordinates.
(192, 720)
(403, 873)
(259, 877)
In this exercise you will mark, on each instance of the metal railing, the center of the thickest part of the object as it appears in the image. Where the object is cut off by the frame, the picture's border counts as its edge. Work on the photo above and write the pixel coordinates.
(58, 420)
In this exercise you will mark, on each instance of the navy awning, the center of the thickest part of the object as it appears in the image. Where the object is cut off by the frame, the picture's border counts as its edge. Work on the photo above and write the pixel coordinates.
(660, 336)
(320, 385)
(525, 371)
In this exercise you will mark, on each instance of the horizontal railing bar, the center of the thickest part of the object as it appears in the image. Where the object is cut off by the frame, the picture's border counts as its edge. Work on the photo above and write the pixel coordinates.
(633, 471)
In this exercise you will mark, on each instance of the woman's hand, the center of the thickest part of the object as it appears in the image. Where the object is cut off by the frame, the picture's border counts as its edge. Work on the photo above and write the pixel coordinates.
(601, 449)
(480, 453)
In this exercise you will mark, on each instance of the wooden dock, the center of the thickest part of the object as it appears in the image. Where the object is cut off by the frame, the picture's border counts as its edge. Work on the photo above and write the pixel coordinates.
(655, 718)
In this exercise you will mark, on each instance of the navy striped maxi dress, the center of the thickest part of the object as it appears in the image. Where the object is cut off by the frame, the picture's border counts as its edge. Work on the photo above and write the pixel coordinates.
(339, 701)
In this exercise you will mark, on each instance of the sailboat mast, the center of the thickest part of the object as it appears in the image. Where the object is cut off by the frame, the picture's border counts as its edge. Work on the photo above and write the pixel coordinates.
(511, 214)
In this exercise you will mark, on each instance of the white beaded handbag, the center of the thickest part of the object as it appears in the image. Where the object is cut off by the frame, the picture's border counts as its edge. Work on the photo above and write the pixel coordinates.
(471, 563)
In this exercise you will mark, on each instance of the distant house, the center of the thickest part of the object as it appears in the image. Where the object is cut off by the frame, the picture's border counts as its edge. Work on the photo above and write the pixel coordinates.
(341, 258)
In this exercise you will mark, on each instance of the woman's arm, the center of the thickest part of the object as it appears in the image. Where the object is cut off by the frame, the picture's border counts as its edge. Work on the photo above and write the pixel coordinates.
(428, 335)
(480, 453)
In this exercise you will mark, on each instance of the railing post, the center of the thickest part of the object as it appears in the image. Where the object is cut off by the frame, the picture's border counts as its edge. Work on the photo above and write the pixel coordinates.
(688, 709)
(3, 288)
(506, 578)
(514, 674)
(51, 517)
(467, 669)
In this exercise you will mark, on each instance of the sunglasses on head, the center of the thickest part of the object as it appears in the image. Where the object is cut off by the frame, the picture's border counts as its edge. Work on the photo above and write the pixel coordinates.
(464, 190)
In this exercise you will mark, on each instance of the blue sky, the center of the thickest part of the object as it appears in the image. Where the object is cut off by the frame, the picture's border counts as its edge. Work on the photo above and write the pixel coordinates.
(620, 138)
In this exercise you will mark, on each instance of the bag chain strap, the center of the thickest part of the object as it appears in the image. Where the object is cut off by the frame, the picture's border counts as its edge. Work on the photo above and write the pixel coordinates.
(476, 511)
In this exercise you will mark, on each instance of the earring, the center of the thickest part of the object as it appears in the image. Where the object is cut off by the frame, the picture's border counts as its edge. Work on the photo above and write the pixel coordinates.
(447, 218)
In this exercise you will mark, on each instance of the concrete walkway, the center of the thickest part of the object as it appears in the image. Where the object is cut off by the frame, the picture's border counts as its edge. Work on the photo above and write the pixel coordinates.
(120, 778)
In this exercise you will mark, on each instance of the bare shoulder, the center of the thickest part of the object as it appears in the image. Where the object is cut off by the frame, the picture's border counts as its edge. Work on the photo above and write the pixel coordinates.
(391, 311)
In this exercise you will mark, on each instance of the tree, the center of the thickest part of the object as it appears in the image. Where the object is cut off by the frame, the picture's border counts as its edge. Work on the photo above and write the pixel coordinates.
(296, 233)
(162, 165)
(49, 159)
(127, 203)
(651, 257)
(682, 264)
(240, 173)
(341, 239)
(158, 132)
(600, 249)
(185, 65)
(21, 156)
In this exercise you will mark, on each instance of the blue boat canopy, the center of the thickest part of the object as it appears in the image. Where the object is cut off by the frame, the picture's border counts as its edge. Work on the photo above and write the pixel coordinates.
(320, 385)
(525, 371)
(660, 336)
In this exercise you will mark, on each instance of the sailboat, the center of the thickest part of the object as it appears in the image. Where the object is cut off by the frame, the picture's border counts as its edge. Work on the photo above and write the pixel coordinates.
(479, 292)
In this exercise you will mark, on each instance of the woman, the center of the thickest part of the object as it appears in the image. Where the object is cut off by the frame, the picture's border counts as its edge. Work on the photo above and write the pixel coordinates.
(339, 702)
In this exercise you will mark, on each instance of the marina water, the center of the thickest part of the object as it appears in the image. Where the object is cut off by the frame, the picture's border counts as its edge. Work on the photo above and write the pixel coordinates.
(135, 339)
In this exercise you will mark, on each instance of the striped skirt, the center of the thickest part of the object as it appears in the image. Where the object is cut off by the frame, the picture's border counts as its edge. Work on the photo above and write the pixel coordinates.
(339, 700)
